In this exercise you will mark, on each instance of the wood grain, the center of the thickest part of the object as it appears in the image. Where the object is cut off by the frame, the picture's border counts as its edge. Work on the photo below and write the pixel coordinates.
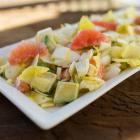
(115, 116)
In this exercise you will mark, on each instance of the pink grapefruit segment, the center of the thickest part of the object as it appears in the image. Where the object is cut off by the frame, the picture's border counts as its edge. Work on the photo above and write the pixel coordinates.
(25, 52)
(109, 25)
(22, 86)
(101, 71)
(86, 38)
(137, 20)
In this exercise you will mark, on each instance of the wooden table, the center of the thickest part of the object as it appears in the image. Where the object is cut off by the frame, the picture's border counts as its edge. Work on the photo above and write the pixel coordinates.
(115, 116)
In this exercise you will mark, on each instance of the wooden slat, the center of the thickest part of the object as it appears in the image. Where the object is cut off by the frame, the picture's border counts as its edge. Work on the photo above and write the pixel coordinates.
(14, 3)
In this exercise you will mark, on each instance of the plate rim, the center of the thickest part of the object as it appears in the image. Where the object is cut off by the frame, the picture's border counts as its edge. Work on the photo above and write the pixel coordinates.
(46, 120)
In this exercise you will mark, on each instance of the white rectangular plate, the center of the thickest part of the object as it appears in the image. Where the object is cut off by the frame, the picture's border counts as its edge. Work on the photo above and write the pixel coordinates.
(49, 118)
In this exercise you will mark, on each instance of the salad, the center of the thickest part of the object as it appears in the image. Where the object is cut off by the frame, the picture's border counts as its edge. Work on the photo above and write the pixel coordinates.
(59, 66)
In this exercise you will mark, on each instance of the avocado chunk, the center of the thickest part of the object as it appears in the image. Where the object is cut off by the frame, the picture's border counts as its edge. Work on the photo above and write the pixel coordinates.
(41, 99)
(12, 71)
(66, 92)
(43, 82)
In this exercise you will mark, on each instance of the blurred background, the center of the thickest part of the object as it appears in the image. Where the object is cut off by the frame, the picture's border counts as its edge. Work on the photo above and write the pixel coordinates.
(15, 13)
(38, 14)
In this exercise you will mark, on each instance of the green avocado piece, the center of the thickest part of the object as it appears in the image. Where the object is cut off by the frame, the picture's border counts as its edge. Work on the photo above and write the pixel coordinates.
(44, 82)
(66, 92)
(12, 71)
